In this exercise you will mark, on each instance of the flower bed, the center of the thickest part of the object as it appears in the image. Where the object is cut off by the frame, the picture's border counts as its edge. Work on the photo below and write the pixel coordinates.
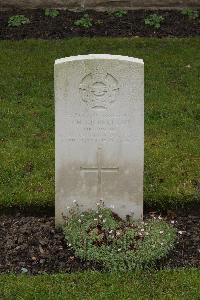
(59, 24)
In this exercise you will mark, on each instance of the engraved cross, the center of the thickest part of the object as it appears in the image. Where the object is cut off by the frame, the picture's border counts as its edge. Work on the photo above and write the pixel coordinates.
(99, 169)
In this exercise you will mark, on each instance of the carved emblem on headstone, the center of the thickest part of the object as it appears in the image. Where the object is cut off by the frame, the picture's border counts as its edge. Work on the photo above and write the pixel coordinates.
(98, 92)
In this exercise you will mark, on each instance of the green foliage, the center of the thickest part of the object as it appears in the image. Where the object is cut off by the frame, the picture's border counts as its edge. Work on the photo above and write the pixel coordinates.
(84, 22)
(117, 245)
(154, 20)
(190, 13)
(51, 12)
(18, 20)
(120, 13)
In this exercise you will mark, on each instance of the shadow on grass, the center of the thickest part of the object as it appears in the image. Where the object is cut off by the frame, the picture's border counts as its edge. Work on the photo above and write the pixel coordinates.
(192, 208)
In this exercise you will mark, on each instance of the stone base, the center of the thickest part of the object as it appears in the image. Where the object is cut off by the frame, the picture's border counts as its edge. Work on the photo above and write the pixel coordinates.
(97, 4)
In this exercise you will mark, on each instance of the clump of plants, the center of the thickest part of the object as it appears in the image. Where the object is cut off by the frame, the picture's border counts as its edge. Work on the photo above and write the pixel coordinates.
(101, 236)
(51, 12)
(84, 22)
(154, 20)
(190, 13)
(120, 13)
(18, 20)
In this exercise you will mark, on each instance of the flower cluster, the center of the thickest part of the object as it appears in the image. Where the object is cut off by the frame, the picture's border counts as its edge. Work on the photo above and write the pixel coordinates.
(100, 235)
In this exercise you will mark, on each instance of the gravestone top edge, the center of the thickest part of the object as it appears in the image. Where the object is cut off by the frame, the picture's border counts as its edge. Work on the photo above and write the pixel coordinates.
(98, 56)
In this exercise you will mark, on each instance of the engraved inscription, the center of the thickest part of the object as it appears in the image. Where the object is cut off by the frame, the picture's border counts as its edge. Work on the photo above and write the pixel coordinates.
(99, 169)
(98, 91)
(107, 129)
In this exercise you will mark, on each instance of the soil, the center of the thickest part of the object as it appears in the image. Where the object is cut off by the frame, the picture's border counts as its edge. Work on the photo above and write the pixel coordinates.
(104, 24)
(33, 245)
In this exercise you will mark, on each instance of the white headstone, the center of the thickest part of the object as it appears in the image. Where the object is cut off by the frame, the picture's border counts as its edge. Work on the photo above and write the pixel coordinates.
(99, 117)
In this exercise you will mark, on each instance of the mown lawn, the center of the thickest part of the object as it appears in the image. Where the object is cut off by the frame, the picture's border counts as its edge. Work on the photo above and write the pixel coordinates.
(165, 284)
(27, 116)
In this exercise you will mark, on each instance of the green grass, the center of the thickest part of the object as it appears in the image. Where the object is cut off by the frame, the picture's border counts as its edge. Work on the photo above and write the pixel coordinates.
(167, 284)
(27, 116)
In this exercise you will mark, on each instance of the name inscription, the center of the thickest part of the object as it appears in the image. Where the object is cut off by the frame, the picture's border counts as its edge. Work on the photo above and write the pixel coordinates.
(107, 129)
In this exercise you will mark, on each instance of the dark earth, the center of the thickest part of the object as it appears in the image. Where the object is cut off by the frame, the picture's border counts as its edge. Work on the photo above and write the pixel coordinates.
(103, 24)
(30, 244)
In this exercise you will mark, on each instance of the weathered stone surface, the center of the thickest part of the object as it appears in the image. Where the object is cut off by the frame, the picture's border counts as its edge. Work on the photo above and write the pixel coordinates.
(133, 4)
(29, 4)
(99, 133)
(97, 4)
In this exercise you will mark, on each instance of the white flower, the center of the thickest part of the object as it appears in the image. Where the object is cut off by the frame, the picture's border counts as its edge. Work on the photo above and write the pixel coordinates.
(104, 221)
(69, 245)
(161, 231)
(98, 203)
(159, 217)
(118, 233)
(172, 221)
(79, 220)
(24, 270)
(100, 216)
(82, 215)
(161, 244)
(111, 231)
(180, 232)
(119, 249)
(142, 229)
(95, 219)
(147, 233)
(74, 201)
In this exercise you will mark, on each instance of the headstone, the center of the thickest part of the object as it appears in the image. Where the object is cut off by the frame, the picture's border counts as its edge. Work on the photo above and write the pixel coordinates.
(99, 117)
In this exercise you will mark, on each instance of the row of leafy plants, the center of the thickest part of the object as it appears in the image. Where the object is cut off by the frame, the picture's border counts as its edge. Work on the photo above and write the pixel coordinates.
(152, 20)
